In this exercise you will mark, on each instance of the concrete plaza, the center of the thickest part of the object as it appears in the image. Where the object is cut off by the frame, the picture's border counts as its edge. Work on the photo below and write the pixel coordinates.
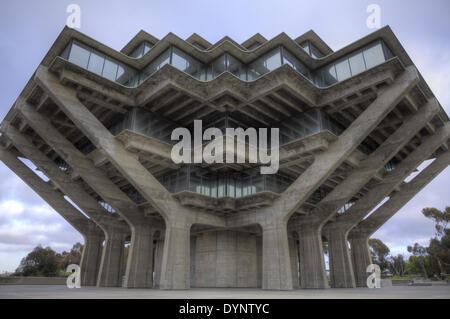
(62, 292)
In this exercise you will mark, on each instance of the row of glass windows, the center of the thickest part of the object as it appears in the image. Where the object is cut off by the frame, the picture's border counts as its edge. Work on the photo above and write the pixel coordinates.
(200, 181)
(290, 129)
(100, 64)
(354, 63)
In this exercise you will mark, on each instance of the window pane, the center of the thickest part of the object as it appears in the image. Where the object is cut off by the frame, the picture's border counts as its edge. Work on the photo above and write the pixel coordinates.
(218, 66)
(357, 63)
(342, 70)
(163, 59)
(96, 63)
(315, 53)
(265, 64)
(236, 67)
(79, 55)
(291, 60)
(110, 70)
(273, 60)
(178, 60)
(328, 75)
(374, 55)
(138, 52)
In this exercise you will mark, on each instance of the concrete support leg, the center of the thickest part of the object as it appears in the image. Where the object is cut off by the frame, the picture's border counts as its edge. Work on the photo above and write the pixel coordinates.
(312, 263)
(277, 273)
(139, 272)
(158, 253)
(361, 259)
(293, 253)
(111, 268)
(91, 258)
(175, 272)
(341, 270)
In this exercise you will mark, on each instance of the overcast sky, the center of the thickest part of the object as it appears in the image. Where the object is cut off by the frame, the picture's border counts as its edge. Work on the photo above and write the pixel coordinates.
(28, 29)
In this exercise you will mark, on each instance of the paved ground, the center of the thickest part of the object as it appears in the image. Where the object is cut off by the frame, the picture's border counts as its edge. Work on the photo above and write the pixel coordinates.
(35, 291)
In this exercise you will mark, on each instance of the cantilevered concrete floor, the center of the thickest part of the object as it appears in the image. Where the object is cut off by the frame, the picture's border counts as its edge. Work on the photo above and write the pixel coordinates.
(408, 292)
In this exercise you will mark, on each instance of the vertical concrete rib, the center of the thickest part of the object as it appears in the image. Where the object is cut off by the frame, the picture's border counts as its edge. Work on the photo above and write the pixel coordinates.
(277, 274)
(360, 234)
(175, 268)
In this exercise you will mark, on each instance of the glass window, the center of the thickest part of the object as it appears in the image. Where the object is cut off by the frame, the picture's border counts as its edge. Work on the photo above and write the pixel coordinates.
(343, 70)
(218, 66)
(305, 46)
(110, 70)
(291, 60)
(328, 75)
(373, 55)
(265, 64)
(163, 59)
(79, 55)
(96, 62)
(357, 64)
(236, 67)
(315, 53)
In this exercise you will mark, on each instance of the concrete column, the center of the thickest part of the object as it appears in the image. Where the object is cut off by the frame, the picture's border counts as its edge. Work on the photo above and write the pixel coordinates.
(175, 270)
(312, 263)
(293, 254)
(111, 268)
(91, 258)
(276, 268)
(158, 253)
(361, 258)
(341, 270)
(139, 272)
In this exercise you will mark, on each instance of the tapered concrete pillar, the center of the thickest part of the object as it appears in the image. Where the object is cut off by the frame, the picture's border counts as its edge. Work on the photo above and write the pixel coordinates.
(175, 270)
(158, 253)
(139, 272)
(341, 270)
(277, 274)
(111, 268)
(312, 263)
(91, 258)
(293, 254)
(361, 258)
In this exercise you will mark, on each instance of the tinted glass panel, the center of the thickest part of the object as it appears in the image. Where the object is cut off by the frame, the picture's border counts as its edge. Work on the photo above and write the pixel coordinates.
(110, 70)
(374, 55)
(96, 62)
(357, 64)
(343, 70)
(79, 55)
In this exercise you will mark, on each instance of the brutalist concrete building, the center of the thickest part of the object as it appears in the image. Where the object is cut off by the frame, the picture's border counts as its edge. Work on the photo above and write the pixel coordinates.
(353, 126)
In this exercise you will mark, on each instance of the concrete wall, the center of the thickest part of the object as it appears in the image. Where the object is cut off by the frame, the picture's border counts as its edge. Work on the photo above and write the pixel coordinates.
(33, 280)
(225, 259)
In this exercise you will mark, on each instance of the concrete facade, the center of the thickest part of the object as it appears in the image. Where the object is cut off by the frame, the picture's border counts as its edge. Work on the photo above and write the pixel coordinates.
(354, 124)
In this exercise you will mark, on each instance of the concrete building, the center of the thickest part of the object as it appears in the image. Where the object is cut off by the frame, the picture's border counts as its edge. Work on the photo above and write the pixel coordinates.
(354, 124)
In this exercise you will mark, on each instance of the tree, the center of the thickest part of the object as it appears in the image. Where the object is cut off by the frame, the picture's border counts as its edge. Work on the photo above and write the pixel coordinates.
(40, 262)
(439, 248)
(397, 265)
(379, 253)
(47, 263)
(419, 251)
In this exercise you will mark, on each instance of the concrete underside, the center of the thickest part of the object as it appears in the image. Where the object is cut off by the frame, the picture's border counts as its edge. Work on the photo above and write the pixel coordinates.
(62, 292)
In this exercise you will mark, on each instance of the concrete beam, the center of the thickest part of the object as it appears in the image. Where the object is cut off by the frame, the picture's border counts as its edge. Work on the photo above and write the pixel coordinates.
(93, 235)
(337, 230)
(360, 234)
